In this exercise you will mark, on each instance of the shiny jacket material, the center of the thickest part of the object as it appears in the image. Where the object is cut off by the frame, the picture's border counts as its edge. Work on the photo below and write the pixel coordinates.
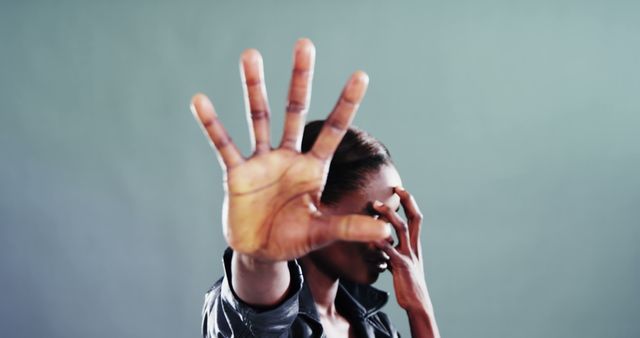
(226, 315)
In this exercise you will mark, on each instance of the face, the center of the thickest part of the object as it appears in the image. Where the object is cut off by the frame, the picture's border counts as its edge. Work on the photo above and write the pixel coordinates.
(359, 262)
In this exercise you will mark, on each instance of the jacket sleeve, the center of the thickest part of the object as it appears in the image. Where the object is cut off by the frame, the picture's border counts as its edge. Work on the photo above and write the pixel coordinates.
(225, 315)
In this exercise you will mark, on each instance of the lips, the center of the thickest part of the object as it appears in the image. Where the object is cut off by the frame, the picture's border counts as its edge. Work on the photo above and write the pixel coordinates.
(378, 259)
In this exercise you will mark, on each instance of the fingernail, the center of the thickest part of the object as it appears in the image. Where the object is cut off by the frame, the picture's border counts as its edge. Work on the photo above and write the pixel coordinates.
(400, 189)
(377, 204)
(360, 81)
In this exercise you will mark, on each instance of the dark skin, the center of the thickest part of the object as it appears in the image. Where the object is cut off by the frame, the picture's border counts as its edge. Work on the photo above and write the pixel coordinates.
(381, 197)
(354, 261)
(406, 265)
(272, 210)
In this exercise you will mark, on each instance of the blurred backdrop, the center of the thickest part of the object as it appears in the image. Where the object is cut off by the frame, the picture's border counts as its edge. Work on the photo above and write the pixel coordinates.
(515, 123)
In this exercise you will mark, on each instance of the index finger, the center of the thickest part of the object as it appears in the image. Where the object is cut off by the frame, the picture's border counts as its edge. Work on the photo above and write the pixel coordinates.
(340, 118)
(204, 112)
(414, 218)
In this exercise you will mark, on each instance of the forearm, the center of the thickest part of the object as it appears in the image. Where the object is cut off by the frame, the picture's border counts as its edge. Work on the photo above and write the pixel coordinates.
(259, 283)
(422, 319)
(423, 323)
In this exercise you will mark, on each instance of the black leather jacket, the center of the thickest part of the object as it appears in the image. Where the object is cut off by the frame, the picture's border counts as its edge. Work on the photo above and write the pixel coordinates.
(225, 315)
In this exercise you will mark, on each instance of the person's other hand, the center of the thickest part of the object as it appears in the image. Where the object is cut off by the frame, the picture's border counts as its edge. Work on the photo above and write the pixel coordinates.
(271, 198)
(405, 261)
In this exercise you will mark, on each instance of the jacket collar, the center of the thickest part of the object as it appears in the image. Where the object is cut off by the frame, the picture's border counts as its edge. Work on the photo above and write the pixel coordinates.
(357, 300)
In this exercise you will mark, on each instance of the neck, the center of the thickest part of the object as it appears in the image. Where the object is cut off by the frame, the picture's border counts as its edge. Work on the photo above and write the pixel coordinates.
(323, 287)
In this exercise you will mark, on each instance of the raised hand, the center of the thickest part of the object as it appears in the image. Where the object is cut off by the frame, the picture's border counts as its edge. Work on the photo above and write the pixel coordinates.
(271, 198)
(406, 265)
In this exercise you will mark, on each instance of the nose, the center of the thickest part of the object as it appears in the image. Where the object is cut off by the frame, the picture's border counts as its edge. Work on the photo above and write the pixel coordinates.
(390, 240)
(373, 246)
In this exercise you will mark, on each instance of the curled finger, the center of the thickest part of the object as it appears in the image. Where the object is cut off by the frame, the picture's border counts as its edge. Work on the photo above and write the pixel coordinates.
(414, 218)
(396, 259)
(398, 224)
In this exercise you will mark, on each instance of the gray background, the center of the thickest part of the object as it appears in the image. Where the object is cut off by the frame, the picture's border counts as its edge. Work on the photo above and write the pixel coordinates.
(515, 124)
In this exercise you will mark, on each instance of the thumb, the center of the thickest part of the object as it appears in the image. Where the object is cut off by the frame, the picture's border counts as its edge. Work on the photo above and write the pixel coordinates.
(357, 228)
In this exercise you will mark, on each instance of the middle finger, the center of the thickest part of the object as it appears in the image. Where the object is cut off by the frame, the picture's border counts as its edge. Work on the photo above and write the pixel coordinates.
(299, 94)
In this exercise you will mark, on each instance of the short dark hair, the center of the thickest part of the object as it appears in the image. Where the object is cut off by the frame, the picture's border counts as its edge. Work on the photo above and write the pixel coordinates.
(357, 156)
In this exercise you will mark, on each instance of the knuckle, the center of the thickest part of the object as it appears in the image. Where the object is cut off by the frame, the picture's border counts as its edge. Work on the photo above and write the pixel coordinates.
(222, 142)
(401, 263)
(253, 82)
(336, 125)
(289, 142)
(300, 71)
(349, 102)
(343, 229)
(314, 153)
(259, 115)
(296, 107)
(207, 121)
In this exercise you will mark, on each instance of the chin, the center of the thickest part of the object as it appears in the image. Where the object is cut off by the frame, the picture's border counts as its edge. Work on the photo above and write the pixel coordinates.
(372, 279)
(364, 276)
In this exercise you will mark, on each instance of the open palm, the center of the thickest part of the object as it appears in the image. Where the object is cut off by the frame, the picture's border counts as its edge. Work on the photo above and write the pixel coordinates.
(272, 198)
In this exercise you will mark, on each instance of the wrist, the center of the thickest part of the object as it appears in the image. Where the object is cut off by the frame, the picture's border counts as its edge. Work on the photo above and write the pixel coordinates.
(416, 299)
(420, 309)
(422, 312)
(251, 263)
(422, 322)
(259, 283)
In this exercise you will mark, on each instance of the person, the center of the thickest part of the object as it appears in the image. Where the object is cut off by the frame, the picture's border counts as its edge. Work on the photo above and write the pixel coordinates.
(309, 223)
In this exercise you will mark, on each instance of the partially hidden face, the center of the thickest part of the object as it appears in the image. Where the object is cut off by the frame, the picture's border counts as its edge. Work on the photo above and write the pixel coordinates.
(360, 262)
